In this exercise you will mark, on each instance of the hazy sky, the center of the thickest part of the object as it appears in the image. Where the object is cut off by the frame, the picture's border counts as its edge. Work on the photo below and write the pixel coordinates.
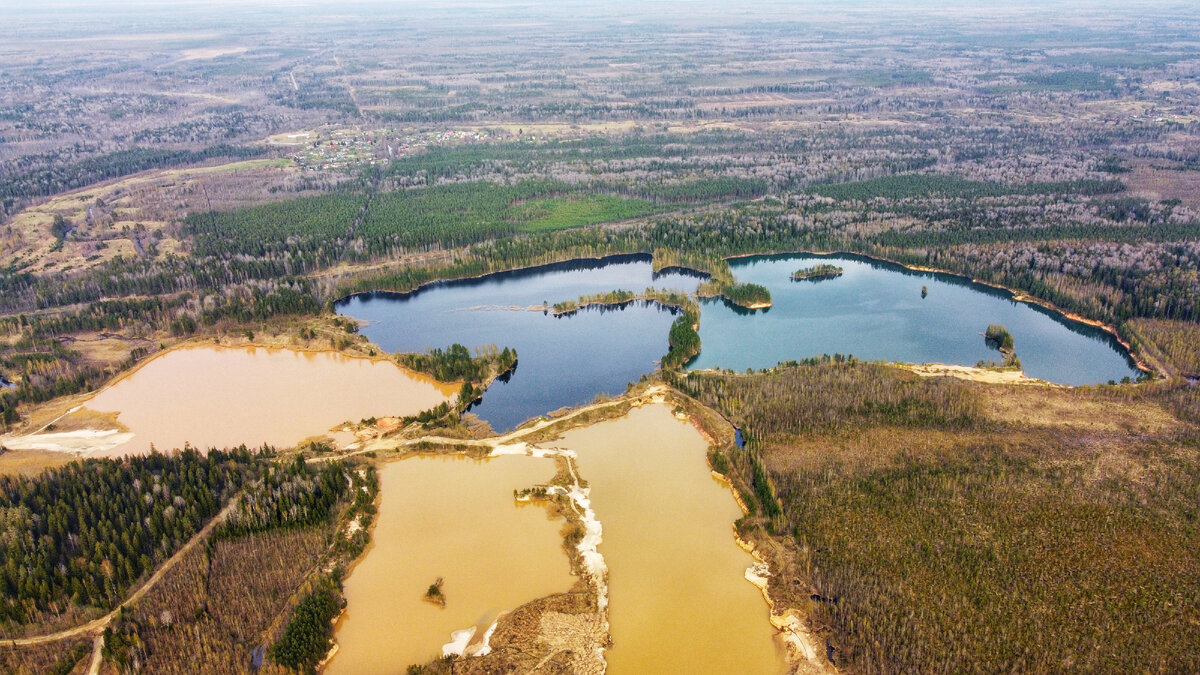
(45, 17)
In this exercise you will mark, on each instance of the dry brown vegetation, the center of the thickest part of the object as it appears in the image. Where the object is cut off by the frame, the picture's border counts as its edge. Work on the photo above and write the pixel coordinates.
(134, 217)
(1044, 529)
(32, 462)
(223, 601)
(1175, 344)
(556, 634)
(1162, 183)
(57, 658)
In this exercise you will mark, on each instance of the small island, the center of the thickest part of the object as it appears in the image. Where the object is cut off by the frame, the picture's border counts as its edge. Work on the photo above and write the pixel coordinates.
(817, 272)
(618, 298)
(434, 593)
(747, 295)
(455, 363)
(997, 337)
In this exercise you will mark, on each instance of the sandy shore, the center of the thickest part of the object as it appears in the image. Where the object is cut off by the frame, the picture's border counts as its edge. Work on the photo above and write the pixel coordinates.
(974, 374)
(83, 441)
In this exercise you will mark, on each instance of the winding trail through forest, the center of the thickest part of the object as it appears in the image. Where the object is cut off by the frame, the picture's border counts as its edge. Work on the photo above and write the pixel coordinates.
(96, 625)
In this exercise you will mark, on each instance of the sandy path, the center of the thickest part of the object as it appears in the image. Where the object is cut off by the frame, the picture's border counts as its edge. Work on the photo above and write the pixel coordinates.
(651, 393)
(97, 655)
(97, 625)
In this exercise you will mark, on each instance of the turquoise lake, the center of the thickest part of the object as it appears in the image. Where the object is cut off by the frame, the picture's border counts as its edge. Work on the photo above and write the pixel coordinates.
(875, 311)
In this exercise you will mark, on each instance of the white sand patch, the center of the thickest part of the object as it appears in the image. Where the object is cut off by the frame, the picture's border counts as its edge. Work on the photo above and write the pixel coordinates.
(520, 449)
(484, 646)
(758, 574)
(459, 640)
(85, 441)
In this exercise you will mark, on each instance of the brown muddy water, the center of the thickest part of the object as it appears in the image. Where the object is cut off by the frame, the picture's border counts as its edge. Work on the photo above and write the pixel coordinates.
(678, 598)
(218, 397)
(454, 518)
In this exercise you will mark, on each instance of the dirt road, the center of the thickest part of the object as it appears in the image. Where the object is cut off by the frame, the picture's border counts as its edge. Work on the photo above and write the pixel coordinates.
(97, 625)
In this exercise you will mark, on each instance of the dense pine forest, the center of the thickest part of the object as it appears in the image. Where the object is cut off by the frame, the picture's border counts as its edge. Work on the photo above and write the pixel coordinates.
(78, 537)
(239, 582)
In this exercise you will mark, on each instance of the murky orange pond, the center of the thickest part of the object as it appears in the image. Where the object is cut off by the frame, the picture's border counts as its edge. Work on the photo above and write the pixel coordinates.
(453, 518)
(679, 601)
(218, 397)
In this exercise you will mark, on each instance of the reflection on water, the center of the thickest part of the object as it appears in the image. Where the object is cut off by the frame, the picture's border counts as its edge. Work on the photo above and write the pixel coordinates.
(877, 311)
(679, 600)
(564, 361)
(219, 397)
(454, 518)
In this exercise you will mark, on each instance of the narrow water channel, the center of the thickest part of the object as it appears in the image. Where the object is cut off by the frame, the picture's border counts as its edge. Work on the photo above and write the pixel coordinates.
(679, 600)
(453, 518)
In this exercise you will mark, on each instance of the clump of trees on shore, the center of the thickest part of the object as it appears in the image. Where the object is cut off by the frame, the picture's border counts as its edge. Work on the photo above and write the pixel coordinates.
(455, 363)
(305, 641)
(999, 338)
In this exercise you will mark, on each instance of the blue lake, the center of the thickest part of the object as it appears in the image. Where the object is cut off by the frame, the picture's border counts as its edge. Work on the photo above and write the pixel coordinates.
(874, 311)
(563, 361)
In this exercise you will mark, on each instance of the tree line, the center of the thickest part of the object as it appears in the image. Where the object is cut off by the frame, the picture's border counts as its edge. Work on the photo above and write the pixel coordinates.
(78, 536)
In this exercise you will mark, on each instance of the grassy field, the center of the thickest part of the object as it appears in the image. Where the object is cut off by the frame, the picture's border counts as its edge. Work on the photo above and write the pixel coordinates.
(558, 213)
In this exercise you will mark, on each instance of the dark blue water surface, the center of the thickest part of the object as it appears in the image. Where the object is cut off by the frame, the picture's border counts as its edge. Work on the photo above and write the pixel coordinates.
(563, 361)
(874, 311)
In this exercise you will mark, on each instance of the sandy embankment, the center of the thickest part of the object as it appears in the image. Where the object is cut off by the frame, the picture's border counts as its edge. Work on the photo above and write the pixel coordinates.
(974, 374)
(592, 562)
(804, 650)
(588, 547)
